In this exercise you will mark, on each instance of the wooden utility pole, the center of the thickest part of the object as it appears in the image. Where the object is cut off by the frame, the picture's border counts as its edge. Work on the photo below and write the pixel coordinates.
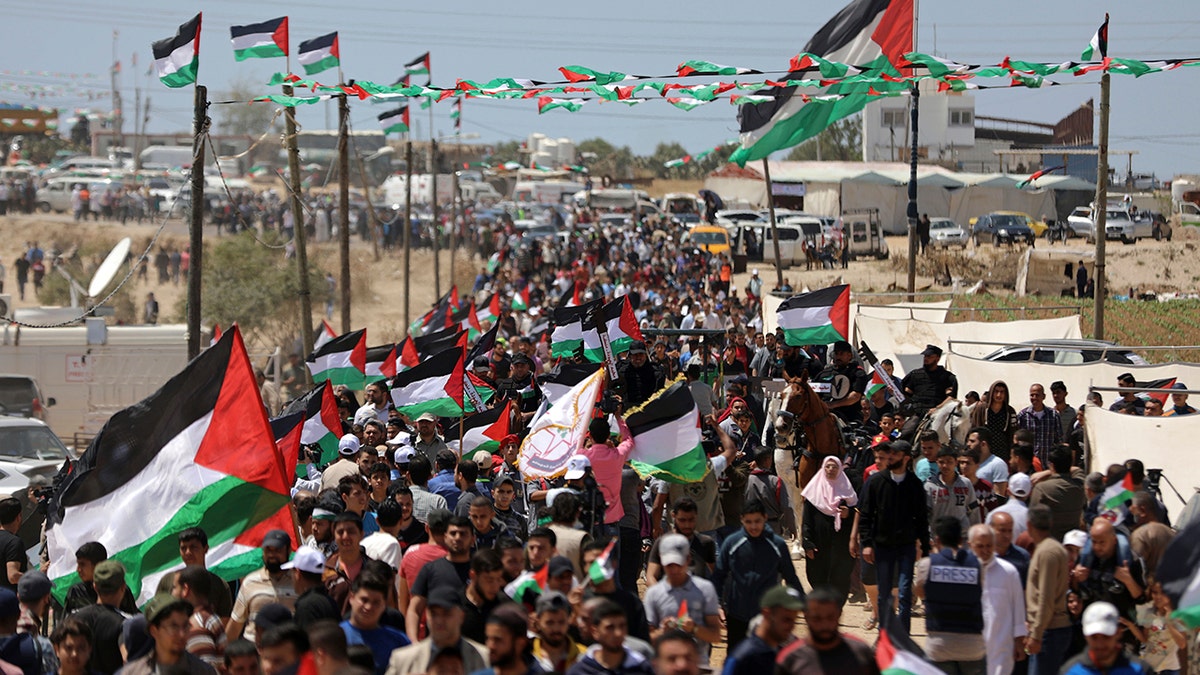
(344, 205)
(196, 222)
(912, 197)
(433, 200)
(372, 217)
(293, 150)
(1100, 211)
(774, 229)
(408, 161)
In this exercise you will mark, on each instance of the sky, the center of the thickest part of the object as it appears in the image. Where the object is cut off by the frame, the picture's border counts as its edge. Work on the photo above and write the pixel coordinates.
(1155, 115)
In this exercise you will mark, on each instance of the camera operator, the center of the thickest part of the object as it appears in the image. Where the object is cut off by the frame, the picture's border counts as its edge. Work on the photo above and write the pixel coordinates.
(310, 455)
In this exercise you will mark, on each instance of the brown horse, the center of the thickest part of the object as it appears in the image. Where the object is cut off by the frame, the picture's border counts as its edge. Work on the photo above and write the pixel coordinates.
(811, 416)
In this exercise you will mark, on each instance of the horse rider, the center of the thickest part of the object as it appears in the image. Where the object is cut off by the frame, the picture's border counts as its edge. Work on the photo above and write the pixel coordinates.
(847, 383)
(926, 388)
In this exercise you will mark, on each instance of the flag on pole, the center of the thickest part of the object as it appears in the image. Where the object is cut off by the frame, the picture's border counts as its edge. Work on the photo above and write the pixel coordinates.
(395, 121)
(177, 59)
(431, 344)
(896, 653)
(491, 311)
(320, 53)
(556, 434)
(322, 422)
(435, 386)
(602, 569)
(456, 114)
(565, 375)
(1098, 43)
(484, 345)
(381, 363)
(622, 328)
(520, 301)
(1115, 497)
(418, 66)
(816, 318)
(265, 40)
(567, 336)
(324, 333)
(528, 585)
(865, 32)
(342, 360)
(482, 431)
(407, 357)
(199, 452)
(666, 436)
(1029, 181)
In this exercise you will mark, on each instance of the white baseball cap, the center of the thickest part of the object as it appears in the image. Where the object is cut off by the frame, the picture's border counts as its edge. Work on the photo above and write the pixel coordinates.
(404, 455)
(307, 559)
(1100, 618)
(673, 549)
(577, 466)
(1076, 538)
(348, 445)
(1020, 485)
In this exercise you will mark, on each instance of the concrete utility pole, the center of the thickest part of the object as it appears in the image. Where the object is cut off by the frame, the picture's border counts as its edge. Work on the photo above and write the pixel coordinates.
(344, 205)
(293, 150)
(196, 222)
(1100, 211)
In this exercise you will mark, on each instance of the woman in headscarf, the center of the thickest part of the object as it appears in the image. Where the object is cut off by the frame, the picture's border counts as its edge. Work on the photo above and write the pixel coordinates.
(998, 416)
(829, 506)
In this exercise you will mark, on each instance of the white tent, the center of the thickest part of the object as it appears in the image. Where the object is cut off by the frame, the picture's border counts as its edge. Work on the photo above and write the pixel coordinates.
(1158, 441)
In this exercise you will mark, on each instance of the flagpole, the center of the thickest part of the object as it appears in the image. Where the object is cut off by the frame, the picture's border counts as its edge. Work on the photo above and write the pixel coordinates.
(196, 222)
(408, 166)
(344, 203)
(912, 175)
(293, 154)
(1101, 209)
(774, 229)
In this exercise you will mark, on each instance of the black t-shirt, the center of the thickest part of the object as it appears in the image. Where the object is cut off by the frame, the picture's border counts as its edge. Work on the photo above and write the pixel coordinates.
(315, 605)
(413, 534)
(105, 622)
(12, 550)
(475, 617)
(848, 658)
(704, 554)
(439, 573)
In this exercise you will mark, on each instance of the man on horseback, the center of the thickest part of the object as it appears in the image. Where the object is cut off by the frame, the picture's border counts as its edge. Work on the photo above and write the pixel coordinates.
(927, 388)
(847, 382)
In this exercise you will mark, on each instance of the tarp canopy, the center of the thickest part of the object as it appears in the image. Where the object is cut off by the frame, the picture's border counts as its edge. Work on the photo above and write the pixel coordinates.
(903, 340)
(1157, 441)
(934, 312)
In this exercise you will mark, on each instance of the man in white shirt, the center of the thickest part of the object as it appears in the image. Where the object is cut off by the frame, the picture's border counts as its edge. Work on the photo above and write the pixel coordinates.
(1003, 603)
(1017, 506)
(376, 405)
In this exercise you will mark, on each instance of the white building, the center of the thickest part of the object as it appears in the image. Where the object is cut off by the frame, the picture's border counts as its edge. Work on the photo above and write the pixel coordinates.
(946, 128)
(550, 152)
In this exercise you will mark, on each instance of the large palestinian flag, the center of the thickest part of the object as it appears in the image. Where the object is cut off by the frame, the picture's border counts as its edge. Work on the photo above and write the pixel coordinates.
(435, 386)
(289, 434)
(622, 328)
(666, 436)
(264, 40)
(816, 318)
(896, 653)
(322, 424)
(381, 363)
(482, 431)
(567, 337)
(872, 33)
(177, 58)
(435, 343)
(197, 453)
(342, 360)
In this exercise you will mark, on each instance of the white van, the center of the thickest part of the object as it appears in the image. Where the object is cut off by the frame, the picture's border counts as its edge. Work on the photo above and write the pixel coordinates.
(545, 191)
(56, 194)
(791, 240)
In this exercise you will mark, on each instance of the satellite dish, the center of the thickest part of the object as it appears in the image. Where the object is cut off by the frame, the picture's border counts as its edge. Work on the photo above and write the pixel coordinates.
(109, 268)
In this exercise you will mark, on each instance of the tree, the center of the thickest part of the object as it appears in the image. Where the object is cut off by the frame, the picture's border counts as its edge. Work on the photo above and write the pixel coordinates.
(664, 152)
(81, 133)
(508, 151)
(604, 159)
(841, 141)
(246, 119)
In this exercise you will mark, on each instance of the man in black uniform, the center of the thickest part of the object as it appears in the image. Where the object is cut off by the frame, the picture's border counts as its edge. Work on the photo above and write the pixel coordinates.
(927, 388)
(524, 387)
(847, 382)
(639, 378)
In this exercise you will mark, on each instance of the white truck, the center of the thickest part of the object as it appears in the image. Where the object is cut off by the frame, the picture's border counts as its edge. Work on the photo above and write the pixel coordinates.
(422, 190)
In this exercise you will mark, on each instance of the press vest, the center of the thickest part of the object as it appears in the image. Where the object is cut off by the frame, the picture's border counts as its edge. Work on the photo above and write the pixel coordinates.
(954, 593)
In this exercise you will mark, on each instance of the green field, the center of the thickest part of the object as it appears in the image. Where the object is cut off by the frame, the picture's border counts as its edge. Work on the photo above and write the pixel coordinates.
(1133, 323)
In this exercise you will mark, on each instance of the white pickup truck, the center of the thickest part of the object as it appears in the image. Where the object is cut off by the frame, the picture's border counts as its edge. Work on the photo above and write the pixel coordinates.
(1189, 213)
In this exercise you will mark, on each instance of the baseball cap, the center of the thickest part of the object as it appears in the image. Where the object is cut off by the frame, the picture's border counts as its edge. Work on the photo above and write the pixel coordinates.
(9, 607)
(1020, 485)
(404, 455)
(483, 458)
(522, 359)
(348, 445)
(445, 598)
(843, 346)
(401, 438)
(560, 565)
(481, 362)
(931, 350)
(163, 604)
(673, 549)
(427, 417)
(33, 586)
(552, 601)
(577, 466)
(277, 539)
(1076, 538)
(307, 559)
(503, 479)
(904, 447)
(1180, 386)
(754, 272)
(637, 347)
(109, 576)
(782, 596)
(1100, 618)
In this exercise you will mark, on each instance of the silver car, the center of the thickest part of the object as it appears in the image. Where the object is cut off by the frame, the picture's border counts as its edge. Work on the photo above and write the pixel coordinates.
(946, 233)
(28, 448)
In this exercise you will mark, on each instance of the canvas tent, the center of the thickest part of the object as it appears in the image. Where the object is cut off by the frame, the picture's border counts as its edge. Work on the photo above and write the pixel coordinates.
(1113, 438)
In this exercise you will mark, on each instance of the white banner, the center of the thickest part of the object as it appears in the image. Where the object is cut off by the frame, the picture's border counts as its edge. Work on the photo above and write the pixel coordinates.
(1160, 442)
(556, 434)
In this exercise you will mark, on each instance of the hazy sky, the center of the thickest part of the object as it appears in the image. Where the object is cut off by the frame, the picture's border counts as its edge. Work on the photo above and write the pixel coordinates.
(1156, 114)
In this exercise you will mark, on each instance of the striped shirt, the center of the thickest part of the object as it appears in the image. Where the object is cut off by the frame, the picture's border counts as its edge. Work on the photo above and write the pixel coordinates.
(206, 638)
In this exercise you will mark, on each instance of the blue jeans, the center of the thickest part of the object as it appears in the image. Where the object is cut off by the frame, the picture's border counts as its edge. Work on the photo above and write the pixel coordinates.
(889, 562)
(1054, 652)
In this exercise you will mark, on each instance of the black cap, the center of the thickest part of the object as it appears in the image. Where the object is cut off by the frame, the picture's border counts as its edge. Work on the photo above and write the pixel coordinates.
(445, 598)
(560, 565)
(637, 347)
(277, 539)
(271, 615)
(931, 350)
(481, 362)
(521, 358)
(843, 346)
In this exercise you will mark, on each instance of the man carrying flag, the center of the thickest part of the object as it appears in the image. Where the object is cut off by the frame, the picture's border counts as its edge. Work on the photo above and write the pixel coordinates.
(598, 557)
(682, 600)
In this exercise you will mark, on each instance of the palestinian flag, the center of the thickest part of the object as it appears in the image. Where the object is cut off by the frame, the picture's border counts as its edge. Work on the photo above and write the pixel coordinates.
(581, 74)
(407, 357)
(877, 382)
(520, 301)
(559, 381)
(436, 343)
(324, 333)
(1116, 496)
(897, 654)
(666, 436)
(556, 433)
(288, 431)
(1160, 396)
(395, 121)
(602, 569)
(816, 318)
(322, 423)
(342, 360)
(436, 386)
(484, 345)
(1179, 574)
(622, 328)
(482, 431)
(548, 103)
(265, 40)
(468, 321)
(441, 316)
(689, 68)
(491, 311)
(1098, 43)
(197, 453)
(381, 363)
(528, 585)
(567, 337)
(685, 104)
(177, 59)
(418, 66)
(320, 53)
(1029, 181)
(877, 33)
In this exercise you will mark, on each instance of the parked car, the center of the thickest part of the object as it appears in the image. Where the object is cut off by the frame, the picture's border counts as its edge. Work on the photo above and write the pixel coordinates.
(1067, 351)
(28, 448)
(1118, 224)
(711, 238)
(1081, 224)
(945, 232)
(20, 396)
(1003, 227)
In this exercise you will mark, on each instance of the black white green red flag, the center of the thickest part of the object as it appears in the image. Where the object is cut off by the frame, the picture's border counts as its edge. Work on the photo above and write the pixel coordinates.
(816, 318)
(320, 54)
(1098, 44)
(418, 66)
(482, 431)
(265, 40)
(199, 452)
(177, 58)
(322, 423)
(434, 386)
(394, 121)
(666, 436)
(897, 654)
(342, 360)
(381, 363)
